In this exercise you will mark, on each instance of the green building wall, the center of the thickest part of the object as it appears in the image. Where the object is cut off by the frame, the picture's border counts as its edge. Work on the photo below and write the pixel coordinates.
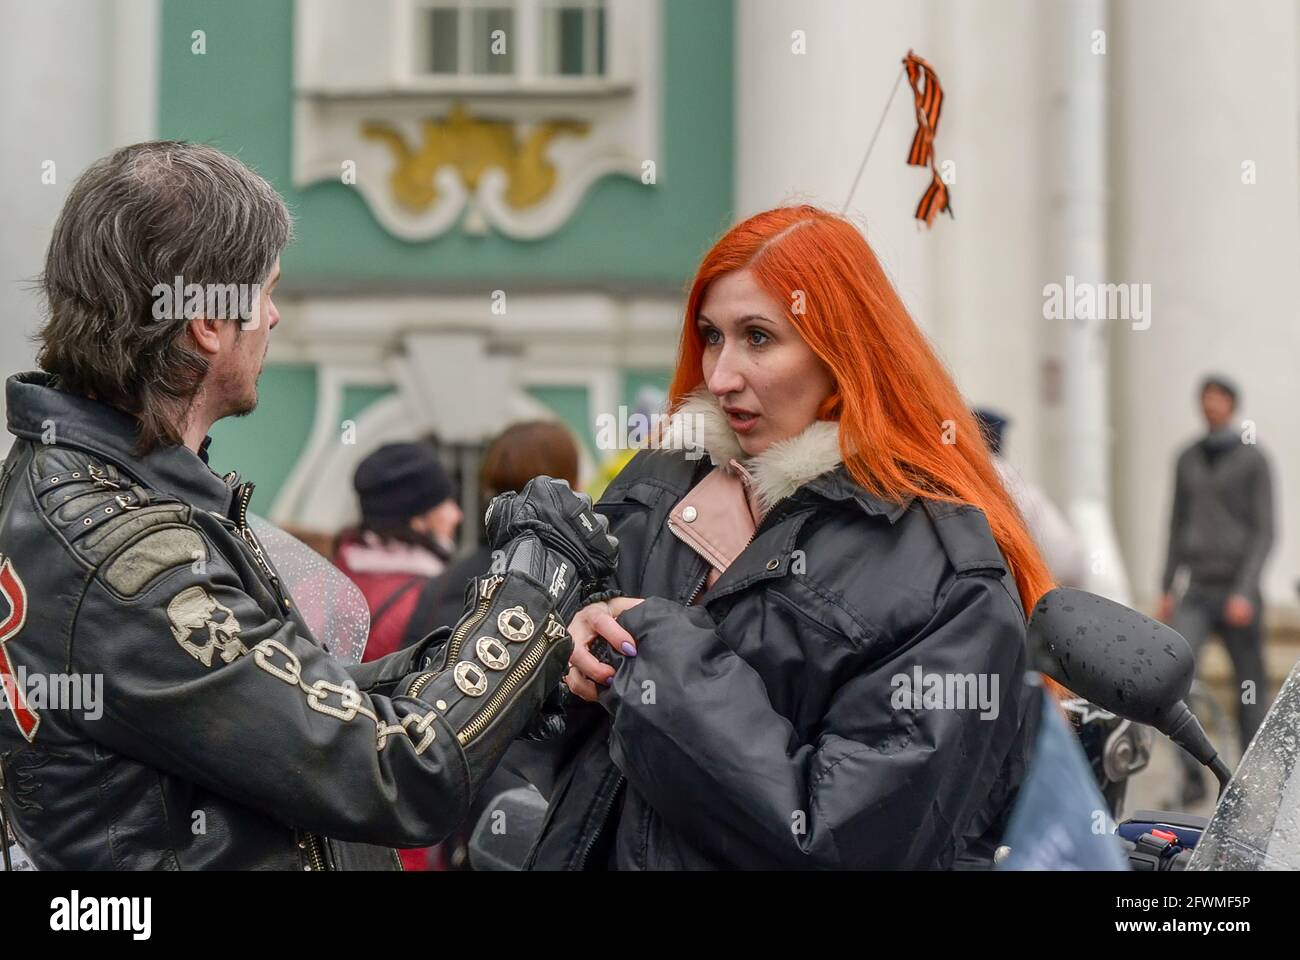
(624, 236)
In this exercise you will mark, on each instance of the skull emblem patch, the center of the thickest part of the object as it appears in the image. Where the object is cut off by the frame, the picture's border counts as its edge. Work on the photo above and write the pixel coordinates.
(194, 609)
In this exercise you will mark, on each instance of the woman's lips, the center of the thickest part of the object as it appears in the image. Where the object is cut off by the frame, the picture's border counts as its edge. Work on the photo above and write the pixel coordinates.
(742, 423)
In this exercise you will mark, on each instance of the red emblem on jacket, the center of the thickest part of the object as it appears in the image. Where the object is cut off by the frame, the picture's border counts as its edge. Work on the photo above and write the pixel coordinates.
(15, 594)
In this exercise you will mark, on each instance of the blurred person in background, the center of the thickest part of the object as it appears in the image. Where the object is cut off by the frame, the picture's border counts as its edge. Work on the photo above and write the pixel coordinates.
(1221, 531)
(395, 556)
(407, 535)
(1056, 538)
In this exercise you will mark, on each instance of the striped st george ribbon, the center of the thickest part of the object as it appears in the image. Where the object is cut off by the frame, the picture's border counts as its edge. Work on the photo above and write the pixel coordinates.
(928, 95)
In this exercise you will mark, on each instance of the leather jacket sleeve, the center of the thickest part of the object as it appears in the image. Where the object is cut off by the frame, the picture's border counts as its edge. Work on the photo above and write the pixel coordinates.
(200, 681)
(746, 789)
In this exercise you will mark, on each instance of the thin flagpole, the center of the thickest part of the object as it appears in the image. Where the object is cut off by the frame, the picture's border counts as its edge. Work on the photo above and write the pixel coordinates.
(888, 103)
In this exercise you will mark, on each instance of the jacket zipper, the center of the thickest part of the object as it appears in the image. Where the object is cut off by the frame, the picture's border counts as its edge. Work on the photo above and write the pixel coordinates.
(606, 809)
(486, 589)
(707, 565)
(698, 587)
(246, 532)
(315, 855)
(523, 667)
(704, 577)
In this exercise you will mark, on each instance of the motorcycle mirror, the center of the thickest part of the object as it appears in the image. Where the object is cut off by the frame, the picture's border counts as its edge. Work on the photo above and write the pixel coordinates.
(1125, 662)
(1129, 664)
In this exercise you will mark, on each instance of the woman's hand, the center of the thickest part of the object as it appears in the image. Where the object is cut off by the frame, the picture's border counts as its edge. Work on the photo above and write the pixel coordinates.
(592, 621)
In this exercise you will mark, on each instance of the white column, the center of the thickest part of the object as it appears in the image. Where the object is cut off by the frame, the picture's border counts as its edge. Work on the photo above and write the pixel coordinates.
(1086, 360)
(804, 120)
(803, 123)
(77, 79)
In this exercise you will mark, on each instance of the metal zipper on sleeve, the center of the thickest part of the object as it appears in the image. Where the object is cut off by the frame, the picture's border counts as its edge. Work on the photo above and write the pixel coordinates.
(524, 666)
(486, 589)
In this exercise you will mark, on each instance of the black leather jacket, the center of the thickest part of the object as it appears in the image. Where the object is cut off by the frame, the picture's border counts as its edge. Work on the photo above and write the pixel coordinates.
(759, 728)
(225, 737)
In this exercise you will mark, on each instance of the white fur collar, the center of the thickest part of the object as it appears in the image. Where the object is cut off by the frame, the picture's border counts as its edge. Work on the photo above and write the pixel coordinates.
(778, 471)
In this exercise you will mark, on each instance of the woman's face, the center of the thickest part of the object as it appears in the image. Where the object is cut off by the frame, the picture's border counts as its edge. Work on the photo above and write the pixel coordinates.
(768, 380)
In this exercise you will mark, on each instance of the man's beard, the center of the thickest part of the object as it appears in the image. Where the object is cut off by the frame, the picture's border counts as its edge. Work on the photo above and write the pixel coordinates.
(245, 405)
(243, 399)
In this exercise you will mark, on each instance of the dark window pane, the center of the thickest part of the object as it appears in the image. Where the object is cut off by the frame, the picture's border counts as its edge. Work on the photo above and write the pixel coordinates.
(486, 22)
(440, 50)
(571, 41)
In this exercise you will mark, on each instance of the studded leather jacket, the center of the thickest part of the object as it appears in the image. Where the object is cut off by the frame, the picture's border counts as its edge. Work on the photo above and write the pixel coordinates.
(166, 706)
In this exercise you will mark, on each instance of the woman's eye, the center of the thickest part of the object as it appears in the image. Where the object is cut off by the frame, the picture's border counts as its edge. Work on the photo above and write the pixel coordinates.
(757, 338)
(712, 337)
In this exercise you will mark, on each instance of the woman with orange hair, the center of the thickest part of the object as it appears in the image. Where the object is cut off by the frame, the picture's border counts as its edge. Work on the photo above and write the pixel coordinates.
(817, 659)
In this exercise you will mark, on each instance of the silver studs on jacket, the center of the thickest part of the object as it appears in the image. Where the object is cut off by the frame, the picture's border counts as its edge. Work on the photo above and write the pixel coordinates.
(470, 678)
(492, 652)
(515, 624)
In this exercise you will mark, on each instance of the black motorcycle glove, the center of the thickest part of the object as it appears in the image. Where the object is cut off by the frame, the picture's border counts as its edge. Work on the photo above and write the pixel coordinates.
(498, 674)
(580, 552)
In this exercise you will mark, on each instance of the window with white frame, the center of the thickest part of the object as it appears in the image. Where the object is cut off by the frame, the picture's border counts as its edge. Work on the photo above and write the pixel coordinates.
(586, 71)
(573, 38)
(528, 40)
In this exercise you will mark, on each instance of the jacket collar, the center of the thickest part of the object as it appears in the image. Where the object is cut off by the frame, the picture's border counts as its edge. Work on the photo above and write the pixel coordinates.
(35, 404)
(810, 460)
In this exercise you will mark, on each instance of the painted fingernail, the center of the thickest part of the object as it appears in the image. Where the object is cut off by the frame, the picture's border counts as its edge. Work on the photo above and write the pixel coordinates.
(629, 649)
(609, 681)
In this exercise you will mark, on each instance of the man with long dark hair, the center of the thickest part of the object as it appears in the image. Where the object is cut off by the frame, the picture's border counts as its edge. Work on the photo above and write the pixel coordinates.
(226, 736)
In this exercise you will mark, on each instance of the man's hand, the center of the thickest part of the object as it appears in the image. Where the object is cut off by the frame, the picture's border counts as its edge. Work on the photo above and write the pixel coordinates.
(553, 535)
(592, 624)
(563, 520)
(1238, 611)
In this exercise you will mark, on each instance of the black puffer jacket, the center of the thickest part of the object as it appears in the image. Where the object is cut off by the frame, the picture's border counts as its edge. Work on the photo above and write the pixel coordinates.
(766, 726)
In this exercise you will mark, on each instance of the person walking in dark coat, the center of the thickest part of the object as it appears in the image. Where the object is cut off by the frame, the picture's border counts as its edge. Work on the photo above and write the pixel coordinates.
(1221, 531)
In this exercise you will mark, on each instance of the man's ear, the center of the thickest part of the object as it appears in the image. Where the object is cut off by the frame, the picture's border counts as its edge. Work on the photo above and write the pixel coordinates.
(207, 335)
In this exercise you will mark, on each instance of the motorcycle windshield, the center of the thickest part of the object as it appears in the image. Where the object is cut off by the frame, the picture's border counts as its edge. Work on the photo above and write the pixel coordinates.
(333, 607)
(1256, 825)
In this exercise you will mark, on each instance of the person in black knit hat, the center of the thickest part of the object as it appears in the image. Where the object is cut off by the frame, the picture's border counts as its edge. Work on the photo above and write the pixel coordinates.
(409, 517)
(400, 550)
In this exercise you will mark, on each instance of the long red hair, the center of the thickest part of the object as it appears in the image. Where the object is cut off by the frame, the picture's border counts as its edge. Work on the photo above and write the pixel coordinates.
(904, 427)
